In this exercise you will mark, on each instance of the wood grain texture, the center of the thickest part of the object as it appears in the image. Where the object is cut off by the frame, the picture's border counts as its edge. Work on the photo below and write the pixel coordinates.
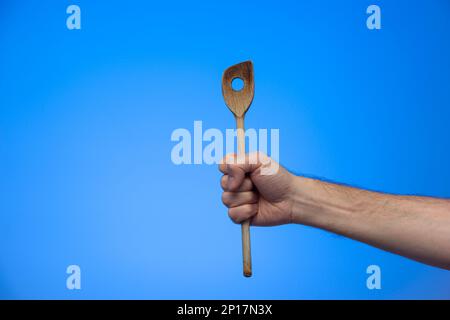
(239, 102)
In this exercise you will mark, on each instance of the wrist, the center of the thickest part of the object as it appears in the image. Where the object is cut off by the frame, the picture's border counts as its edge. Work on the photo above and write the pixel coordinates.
(320, 204)
(303, 201)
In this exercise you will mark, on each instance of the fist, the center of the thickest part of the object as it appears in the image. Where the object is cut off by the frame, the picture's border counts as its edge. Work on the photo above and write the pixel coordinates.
(255, 187)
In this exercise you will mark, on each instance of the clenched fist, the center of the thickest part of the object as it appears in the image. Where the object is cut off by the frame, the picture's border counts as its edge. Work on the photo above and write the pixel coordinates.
(257, 188)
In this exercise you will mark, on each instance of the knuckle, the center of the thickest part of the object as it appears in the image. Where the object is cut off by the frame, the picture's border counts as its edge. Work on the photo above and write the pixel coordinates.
(247, 184)
(233, 216)
(227, 198)
(253, 197)
(223, 182)
(250, 210)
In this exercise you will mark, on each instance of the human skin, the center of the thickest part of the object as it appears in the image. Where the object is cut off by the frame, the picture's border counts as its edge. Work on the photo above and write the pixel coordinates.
(415, 227)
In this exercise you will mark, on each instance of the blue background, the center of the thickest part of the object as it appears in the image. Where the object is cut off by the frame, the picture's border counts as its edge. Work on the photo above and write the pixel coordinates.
(86, 117)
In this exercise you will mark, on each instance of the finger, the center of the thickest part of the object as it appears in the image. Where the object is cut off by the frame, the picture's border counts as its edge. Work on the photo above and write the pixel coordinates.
(248, 162)
(235, 199)
(247, 185)
(242, 213)
(236, 177)
(228, 159)
(237, 166)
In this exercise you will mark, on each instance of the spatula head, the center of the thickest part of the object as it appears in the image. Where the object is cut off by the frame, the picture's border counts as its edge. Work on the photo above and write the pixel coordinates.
(238, 101)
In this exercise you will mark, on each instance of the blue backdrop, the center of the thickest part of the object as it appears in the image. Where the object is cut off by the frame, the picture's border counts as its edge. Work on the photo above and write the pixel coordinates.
(86, 116)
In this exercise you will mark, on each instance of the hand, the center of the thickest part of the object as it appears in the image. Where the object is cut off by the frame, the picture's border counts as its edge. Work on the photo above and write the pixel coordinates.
(253, 190)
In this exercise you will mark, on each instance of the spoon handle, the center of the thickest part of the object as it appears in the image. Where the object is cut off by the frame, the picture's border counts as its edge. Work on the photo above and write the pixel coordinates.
(245, 226)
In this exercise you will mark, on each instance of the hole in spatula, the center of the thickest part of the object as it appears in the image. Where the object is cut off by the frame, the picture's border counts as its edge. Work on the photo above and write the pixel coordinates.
(237, 84)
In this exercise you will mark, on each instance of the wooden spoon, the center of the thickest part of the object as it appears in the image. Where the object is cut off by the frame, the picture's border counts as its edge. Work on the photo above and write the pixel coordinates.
(239, 102)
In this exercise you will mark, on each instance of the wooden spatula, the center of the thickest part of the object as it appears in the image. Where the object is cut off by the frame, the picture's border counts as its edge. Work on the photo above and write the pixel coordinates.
(239, 102)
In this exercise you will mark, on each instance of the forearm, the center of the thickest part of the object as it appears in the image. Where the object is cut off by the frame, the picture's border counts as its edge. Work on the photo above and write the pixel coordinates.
(415, 227)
